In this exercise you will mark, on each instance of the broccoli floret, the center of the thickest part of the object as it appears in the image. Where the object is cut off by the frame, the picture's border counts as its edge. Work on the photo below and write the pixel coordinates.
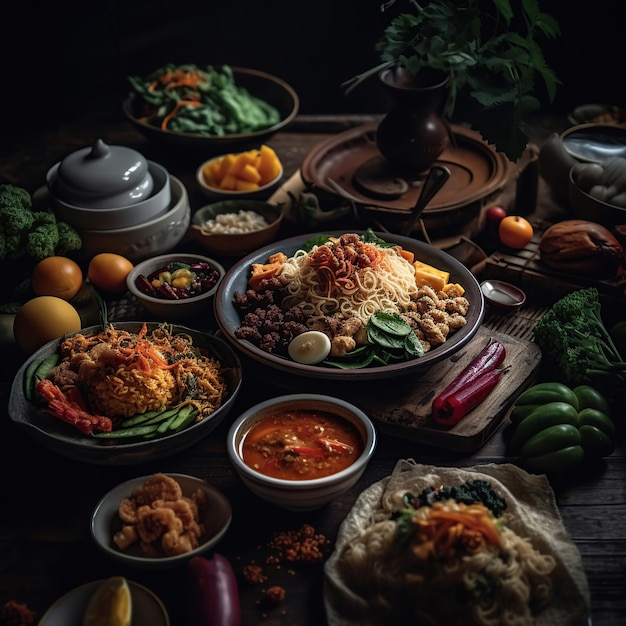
(24, 232)
(11, 195)
(572, 334)
(43, 238)
(69, 239)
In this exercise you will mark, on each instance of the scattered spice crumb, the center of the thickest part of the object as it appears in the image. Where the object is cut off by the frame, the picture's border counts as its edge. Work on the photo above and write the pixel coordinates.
(13, 613)
(302, 546)
(254, 574)
(274, 595)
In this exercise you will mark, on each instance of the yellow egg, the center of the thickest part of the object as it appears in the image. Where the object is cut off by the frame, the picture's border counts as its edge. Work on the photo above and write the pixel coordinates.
(43, 319)
(110, 604)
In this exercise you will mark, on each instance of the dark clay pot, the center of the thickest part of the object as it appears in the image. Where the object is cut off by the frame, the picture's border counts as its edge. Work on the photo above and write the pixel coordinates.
(413, 134)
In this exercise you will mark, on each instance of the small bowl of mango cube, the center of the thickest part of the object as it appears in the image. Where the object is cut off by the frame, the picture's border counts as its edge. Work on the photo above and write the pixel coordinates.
(252, 174)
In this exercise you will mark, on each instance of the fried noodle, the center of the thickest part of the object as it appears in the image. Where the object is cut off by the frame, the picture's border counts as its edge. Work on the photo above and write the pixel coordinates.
(121, 374)
(351, 277)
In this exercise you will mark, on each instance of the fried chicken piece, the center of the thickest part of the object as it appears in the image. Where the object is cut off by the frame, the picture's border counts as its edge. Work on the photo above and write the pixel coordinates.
(127, 510)
(432, 332)
(159, 486)
(152, 523)
(174, 542)
(341, 345)
(126, 537)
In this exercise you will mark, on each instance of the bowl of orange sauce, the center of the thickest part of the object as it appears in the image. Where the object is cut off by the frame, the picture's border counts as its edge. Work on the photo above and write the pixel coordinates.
(301, 451)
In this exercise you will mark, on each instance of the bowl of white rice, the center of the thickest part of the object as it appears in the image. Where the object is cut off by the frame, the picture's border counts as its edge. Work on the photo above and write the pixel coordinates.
(236, 227)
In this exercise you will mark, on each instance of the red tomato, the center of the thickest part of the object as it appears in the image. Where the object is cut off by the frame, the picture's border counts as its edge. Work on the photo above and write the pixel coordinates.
(495, 214)
(515, 231)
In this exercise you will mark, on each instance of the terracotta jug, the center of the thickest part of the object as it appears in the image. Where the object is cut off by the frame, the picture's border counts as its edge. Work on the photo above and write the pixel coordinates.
(413, 133)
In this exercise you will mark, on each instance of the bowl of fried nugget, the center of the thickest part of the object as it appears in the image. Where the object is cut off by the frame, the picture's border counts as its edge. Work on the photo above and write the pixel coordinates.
(160, 521)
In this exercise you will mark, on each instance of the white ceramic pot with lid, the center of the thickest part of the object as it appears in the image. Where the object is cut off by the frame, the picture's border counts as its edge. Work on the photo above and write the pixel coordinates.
(107, 187)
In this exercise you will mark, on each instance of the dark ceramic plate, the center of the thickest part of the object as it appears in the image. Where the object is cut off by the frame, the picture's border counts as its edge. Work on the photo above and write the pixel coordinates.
(260, 84)
(68, 441)
(237, 277)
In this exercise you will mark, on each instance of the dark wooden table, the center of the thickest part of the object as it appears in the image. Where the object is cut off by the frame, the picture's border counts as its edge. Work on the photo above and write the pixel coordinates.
(45, 546)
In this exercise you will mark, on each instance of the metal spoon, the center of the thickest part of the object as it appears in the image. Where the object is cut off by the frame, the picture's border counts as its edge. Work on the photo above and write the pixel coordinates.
(435, 180)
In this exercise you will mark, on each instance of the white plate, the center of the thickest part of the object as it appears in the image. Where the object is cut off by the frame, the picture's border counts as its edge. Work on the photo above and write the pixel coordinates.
(69, 609)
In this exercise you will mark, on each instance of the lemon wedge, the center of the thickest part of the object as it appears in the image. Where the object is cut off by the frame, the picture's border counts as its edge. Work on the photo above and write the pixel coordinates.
(110, 604)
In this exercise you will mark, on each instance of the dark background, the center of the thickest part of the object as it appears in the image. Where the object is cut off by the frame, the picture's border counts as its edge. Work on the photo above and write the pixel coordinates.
(71, 58)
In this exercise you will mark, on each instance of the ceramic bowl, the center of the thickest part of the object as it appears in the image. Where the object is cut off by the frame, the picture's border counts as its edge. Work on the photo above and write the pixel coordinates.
(310, 494)
(237, 277)
(586, 207)
(155, 236)
(67, 441)
(595, 143)
(168, 309)
(235, 244)
(111, 217)
(70, 608)
(272, 89)
(105, 522)
(214, 193)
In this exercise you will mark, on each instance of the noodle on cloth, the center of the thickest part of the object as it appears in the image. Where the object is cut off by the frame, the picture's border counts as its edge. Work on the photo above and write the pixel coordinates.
(535, 576)
(121, 374)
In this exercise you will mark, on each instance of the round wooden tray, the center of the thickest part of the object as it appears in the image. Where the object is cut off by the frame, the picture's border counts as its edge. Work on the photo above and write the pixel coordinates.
(476, 169)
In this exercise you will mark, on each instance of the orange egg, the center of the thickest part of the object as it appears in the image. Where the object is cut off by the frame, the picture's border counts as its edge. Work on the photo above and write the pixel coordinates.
(57, 276)
(108, 271)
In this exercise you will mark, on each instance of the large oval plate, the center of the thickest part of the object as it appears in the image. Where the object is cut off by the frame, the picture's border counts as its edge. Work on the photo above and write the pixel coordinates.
(70, 442)
(237, 277)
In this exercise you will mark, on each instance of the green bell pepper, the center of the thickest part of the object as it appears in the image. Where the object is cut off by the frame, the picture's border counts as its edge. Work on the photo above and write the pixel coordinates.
(555, 427)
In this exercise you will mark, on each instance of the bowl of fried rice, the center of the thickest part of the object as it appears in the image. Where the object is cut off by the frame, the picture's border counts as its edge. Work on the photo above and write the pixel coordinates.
(172, 386)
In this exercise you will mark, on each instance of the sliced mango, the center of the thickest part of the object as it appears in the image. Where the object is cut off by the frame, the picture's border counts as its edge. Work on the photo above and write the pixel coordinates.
(243, 171)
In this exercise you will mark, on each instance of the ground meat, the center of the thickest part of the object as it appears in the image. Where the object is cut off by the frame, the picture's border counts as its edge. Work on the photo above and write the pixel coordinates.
(271, 329)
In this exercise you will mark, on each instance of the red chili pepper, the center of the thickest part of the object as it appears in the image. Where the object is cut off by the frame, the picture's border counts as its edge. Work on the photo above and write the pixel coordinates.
(143, 284)
(459, 403)
(490, 357)
(305, 450)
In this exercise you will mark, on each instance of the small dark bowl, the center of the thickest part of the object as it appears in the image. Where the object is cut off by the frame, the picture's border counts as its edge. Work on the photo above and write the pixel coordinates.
(236, 244)
(273, 90)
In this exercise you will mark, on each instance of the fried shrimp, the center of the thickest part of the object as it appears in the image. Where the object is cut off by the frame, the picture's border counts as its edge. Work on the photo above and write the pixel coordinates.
(159, 519)
(158, 487)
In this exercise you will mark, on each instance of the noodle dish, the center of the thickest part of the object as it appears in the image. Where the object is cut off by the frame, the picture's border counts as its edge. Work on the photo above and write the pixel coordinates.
(124, 392)
(349, 305)
(482, 546)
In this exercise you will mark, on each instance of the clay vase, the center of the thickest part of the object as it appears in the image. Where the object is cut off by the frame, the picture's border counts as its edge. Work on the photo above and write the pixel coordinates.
(413, 134)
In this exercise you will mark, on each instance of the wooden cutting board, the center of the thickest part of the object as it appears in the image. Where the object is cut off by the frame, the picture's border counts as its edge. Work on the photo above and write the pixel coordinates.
(402, 407)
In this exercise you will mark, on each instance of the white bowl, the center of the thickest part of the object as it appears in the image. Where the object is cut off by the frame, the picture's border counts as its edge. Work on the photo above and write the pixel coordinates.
(105, 522)
(155, 236)
(301, 495)
(114, 217)
(172, 309)
(214, 193)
